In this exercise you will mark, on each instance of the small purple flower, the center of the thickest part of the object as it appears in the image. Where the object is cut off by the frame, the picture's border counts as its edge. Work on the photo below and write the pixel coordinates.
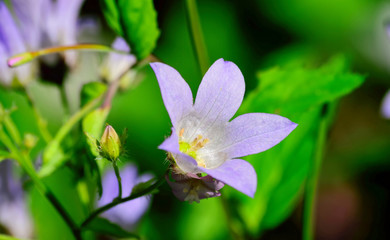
(60, 26)
(14, 214)
(204, 141)
(129, 213)
(385, 106)
(116, 64)
(11, 43)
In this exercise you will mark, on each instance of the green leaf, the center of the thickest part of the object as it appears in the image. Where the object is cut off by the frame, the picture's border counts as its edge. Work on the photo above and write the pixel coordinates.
(4, 155)
(91, 91)
(143, 186)
(295, 92)
(135, 21)
(291, 91)
(103, 226)
(93, 125)
(6, 237)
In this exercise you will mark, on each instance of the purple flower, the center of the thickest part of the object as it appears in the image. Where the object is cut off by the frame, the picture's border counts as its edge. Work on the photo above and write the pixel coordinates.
(14, 214)
(11, 43)
(385, 106)
(129, 213)
(203, 140)
(59, 25)
(116, 64)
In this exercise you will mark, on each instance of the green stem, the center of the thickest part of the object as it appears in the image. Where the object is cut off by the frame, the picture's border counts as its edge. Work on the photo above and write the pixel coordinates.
(42, 124)
(24, 161)
(312, 181)
(53, 146)
(229, 218)
(197, 36)
(116, 202)
(13, 131)
(64, 100)
(118, 177)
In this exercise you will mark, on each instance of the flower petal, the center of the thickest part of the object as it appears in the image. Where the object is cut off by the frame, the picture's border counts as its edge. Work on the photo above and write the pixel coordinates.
(9, 32)
(116, 64)
(256, 132)
(176, 93)
(185, 162)
(385, 106)
(220, 93)
(29, 14)
(237, 173)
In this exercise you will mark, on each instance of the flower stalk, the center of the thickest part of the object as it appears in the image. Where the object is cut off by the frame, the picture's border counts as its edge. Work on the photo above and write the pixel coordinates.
(118, 177)
(312, 180)
(25, 163)
(116, 202)
(197, 36)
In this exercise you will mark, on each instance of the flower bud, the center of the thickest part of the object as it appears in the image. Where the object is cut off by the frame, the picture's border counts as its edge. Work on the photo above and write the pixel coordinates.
(110, 144)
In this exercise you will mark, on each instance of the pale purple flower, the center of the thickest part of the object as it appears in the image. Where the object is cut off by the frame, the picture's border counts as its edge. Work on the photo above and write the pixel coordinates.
(385, 106)
(129, 213)
(117, 64)
(11, 43)
(59, 25)
(14, 214)
(203, 140)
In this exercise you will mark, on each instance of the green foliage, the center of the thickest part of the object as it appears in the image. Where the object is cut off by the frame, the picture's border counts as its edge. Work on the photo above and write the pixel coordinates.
(105, 227)
(91, 91)
(135, 21)
(5, 237)
(292, 91)
(295, 92)
(140, 187)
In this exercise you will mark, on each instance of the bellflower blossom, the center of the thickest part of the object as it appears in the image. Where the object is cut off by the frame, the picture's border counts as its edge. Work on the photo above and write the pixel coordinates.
(385, 106)
(60, 27)
(11, 43)
(117, 64)
(204, 141)
(129, 213)
(14, 214)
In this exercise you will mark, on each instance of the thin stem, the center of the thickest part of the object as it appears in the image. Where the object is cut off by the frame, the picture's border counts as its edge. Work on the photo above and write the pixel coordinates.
(52, 147)
(24, 161)
(229, 218)
(42, 124)
(197, 36)
(118, 177)
(116, 202)
(312, 181)
(64, 100)
(12, 129)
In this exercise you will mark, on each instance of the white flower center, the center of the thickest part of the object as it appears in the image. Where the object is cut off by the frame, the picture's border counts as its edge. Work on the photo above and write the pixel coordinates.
(201, 140)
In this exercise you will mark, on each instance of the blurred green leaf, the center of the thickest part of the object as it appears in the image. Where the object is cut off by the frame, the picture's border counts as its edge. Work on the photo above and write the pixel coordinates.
(91, 91)
(103, 226)
(6, 237)
(48, 223)
(203, 221)
(4, 155)
(135, 21)
(295, 92)
(143, 186)
(93, 125)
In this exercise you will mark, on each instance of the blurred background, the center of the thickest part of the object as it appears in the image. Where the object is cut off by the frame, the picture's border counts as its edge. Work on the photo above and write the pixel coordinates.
(353, 193)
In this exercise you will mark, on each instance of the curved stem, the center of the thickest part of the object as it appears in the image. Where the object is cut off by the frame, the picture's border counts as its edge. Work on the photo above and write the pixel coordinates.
(25, 163)
(118, 177)
(116, 202)
(312, 181)
(197, 36)
(42, 123)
